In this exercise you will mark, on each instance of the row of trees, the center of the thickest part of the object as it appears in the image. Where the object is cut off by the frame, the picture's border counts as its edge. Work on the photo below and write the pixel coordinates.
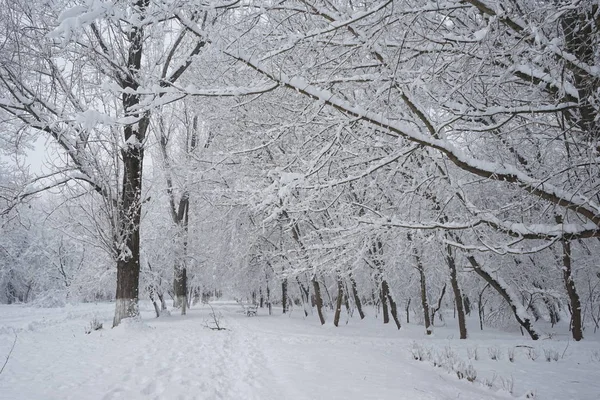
(381, 150)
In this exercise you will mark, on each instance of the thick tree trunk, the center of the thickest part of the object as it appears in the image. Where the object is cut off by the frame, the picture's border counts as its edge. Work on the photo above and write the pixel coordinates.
(128, 241)
(126, 305)
(357, 301)
(576, 326)
(318, 299)
(338, 302)
(462, 324)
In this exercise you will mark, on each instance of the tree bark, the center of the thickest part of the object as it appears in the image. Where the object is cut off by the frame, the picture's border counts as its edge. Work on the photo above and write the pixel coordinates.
(338, 302)
(383, 296)
(480, 306)
(357, 301)
(435, 309)
(462, 324)
(284, 295)
(393, 307)
(318, 299)
(424, 300)
(128, 242)
(576, 326)
(521, 315)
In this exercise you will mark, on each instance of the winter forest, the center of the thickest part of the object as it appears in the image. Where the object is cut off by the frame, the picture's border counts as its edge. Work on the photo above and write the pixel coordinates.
(299, 199)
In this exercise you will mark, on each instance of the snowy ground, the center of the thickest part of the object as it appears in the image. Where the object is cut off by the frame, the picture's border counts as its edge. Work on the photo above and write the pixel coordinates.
(273, 357)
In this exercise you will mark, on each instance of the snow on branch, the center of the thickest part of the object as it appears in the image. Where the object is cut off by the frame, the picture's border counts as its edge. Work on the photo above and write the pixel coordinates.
(487, 169)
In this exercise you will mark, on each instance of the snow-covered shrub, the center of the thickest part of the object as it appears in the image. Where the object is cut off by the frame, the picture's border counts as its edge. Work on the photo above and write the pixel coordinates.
(464, 371)
(94, 325)
(470, 373)
(489, 382)
(472, 353)
(551, 354)
(595, 356)
(494, 353)
(507, 384)
(420, 353)
(532, 354)
(511, 354)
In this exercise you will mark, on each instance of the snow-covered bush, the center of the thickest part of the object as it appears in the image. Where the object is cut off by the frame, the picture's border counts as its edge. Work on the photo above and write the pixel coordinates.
(511, 354)
(532, 353)
(494, 353)
(473, 353)
(551, 354)
(94, 325)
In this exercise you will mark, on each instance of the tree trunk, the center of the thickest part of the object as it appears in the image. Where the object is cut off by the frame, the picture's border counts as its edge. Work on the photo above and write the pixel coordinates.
(154, 303)
(462, 325)
(338, 302)
(576, 326)
(393, 308)
(521, 314)
(439, 305)
(356, 297)
(304, 295)
(424, 300)
(126, 304)
(128, 256)
(284, 294)
(383, 296)
(408, 311)
(261, 299)
(163, 303)
(318, 299)
(327, 292)
(480, 306)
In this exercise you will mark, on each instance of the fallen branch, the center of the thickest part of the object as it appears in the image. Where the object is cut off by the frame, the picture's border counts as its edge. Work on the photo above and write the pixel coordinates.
(9, 353)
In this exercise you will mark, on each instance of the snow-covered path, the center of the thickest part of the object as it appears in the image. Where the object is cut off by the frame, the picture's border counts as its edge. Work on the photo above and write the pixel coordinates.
(263, 357)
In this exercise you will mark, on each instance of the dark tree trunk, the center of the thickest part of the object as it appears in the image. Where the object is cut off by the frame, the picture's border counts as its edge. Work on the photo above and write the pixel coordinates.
(261, 299)
(304, 295)
(383, 298)
(318, 299)
(357, 301)
(284, 295)
(393, 309)
(128, 236)
(163, 303)
(462, 325)
(338, 302)
(523, 320)
(576, 325)
(327, 292)
(424, 300)
(481, 306)
(467, 303)
(408, 311)
(439, 305)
